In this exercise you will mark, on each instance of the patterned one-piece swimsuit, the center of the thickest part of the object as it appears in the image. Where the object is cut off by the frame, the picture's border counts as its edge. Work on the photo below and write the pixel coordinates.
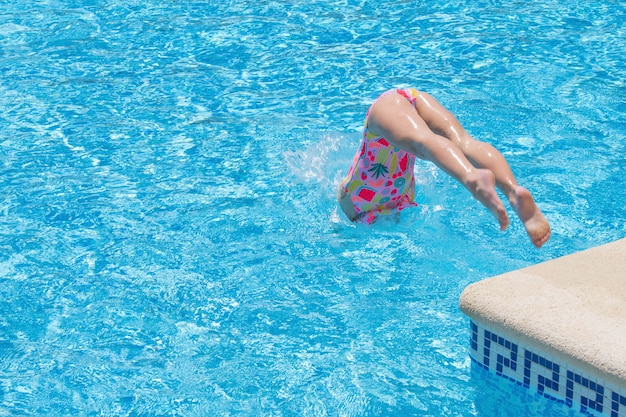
(381, 179)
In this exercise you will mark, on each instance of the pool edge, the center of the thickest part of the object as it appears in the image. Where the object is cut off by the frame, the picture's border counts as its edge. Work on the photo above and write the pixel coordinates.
(558, 327)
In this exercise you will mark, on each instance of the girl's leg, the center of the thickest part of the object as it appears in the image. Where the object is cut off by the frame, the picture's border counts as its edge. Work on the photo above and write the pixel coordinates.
(482, 154)
(394, 118)
(486, 156)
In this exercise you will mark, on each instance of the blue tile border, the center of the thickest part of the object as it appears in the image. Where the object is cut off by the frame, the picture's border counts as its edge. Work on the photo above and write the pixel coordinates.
(533, 369)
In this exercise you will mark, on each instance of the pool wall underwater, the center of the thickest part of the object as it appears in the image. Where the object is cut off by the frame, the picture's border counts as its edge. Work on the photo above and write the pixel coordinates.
(555, 379)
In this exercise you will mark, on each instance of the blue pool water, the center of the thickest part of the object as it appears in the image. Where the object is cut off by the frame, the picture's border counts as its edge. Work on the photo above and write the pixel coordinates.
(170, 243)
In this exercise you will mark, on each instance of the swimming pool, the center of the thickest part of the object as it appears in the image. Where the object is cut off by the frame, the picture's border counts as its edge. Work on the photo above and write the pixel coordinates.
(170, 240)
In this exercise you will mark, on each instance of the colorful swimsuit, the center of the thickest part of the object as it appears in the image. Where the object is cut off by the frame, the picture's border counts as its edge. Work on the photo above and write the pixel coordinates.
(380, 180)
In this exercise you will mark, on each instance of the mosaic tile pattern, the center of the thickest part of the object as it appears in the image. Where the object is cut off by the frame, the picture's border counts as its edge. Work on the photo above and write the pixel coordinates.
(535, 370)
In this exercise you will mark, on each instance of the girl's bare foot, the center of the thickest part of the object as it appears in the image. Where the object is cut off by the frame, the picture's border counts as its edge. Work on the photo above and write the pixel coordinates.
(536, 225)
(482, 184)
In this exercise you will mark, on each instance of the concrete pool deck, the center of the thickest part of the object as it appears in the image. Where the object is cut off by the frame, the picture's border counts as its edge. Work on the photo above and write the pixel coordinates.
(558, 326)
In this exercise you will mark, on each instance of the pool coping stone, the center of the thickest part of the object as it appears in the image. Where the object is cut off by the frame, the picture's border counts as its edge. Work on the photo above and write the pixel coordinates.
(572, 307)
